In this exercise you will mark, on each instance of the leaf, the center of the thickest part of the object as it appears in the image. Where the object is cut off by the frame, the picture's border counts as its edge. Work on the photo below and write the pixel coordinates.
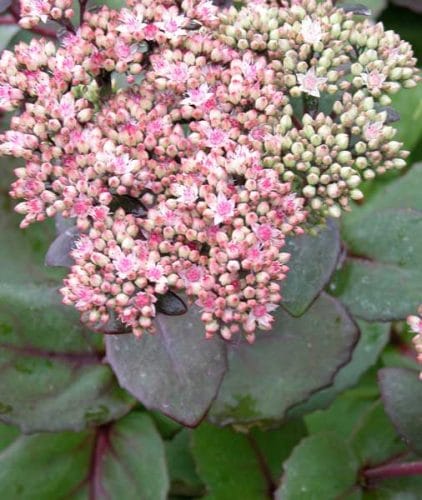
(313, 261)
(402, 488)
(358, 9)
(176, 371)
(52, 376)
(408, 103)
(124, 460)
(401, 392)
(8, 434)
(374, 438)
(165, 425)
(184, 479)
(53, 463)
(4, 5)
(171, 304)
(58, 254)
(284, 366)
(129, 461)
(8, 31)
(373, 339)
(321, 466)
(414, 5)
(381, 280)
(275, 445)
(227, 464)
(344, 412)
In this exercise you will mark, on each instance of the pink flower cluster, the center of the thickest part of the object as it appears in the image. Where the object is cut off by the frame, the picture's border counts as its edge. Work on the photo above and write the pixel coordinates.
(188, 111)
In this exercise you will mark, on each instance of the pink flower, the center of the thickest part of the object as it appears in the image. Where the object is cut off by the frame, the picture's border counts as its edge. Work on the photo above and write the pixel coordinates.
(185, 193)
(198, 96)
(311, 31)
(83, 248)
(260, 315)
(35, 8)
(373, 130)
(222, 207)
(415, 324)
(266, 232)
(155, 272)
(172, 25)
(126, 265)
(179, 72)
(66, 107)
(373, 80)
(131, 20)
(192, 275)
(310, 83)
(84, 297)
(216, 138)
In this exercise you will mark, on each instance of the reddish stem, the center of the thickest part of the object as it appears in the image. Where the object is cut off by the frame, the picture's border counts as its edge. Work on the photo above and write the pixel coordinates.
(393, 470)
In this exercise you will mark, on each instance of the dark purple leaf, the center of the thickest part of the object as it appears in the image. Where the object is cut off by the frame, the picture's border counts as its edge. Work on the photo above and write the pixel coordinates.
(392, 114)
(224, 4)
(415, 5)
(312, 262)
(171, 304)
(357, 9)
(176, 371)
(58, 254)
(285, 366)
(4, 5)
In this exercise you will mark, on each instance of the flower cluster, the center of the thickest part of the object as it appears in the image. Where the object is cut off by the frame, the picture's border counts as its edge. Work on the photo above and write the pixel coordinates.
(224, 128)
(415, 324)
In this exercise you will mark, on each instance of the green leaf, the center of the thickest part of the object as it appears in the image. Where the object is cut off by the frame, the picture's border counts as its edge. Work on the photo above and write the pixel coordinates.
(129, 461)
(7, 33)
(53, 378)
(277, 444)
(313, 260)
(320, 467)
(408, 102)
(401, 391)
(284, 366)
(376, 6)
(176, 371)
(124, 460)
(183, 476)
(381, 278)
(52, 375)
(227, 464)
(402, 488)
(8, 433)
(166, 426)
(373, 339)
(341, 417)
(374, 438)
(53, 464)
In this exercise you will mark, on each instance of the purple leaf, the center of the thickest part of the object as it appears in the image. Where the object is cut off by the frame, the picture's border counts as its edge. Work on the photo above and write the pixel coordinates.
(313, 261)
(58, 255)
(176, 371)
(171, 304)
(285, 366)
(415, 5)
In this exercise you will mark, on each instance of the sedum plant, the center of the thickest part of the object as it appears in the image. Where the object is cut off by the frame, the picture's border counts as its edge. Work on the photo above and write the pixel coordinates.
(196, 158)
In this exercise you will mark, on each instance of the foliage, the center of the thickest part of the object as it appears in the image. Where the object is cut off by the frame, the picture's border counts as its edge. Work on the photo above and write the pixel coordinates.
(328, 405)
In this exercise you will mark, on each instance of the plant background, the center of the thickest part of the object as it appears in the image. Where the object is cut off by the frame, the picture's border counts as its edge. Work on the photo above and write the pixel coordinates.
(312, 411)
